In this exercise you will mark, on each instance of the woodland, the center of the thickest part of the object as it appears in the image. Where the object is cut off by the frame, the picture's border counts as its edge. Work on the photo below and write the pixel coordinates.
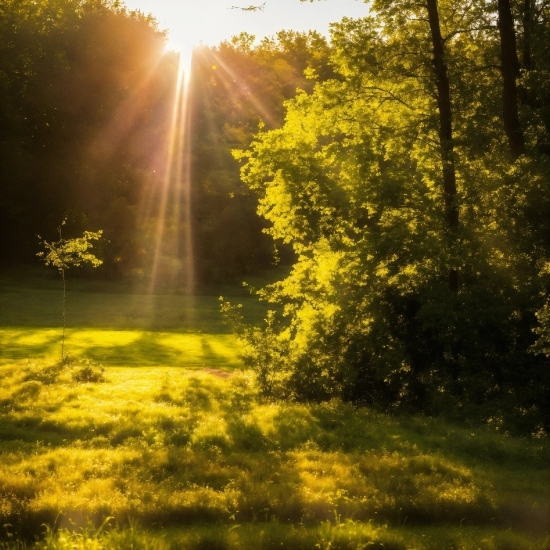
(382, 381)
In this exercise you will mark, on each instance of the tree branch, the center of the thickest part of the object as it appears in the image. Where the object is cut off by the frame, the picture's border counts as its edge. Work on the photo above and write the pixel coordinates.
(249, 8)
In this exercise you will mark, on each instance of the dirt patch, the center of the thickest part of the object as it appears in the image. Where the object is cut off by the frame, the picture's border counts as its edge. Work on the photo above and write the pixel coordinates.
(219, 373)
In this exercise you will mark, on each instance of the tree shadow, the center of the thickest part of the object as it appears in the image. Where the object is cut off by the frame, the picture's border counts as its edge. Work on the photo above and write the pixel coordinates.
(16, 344)
(122, 348)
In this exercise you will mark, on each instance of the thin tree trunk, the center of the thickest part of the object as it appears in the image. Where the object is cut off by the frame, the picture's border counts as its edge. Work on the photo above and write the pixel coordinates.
(64, 300)
(445, 129)
(510, 71)
(62, 270)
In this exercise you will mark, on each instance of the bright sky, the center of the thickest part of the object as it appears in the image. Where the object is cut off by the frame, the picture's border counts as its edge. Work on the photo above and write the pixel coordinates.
(211, 21)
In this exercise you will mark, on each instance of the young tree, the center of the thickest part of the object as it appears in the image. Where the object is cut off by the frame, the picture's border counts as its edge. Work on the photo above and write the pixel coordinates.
(66, 253)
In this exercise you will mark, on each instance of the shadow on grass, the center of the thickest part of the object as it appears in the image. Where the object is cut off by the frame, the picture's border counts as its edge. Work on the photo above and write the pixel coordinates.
(35, 343)
(184, 448)
(122, 348)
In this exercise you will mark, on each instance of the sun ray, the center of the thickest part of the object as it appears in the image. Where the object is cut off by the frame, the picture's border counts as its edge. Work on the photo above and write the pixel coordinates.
(174, 214)
(245, 90)
(173, 236)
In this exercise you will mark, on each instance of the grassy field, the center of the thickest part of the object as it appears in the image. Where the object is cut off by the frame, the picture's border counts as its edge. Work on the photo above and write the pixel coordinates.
(109, 323)
(170, 440)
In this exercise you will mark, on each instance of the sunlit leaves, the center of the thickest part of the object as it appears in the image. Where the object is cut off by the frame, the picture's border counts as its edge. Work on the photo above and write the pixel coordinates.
(354, 181)
(67, 253)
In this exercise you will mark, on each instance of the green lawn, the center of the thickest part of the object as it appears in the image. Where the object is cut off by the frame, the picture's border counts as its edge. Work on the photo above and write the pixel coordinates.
(122, 348)
(182, 452)
(112, 325)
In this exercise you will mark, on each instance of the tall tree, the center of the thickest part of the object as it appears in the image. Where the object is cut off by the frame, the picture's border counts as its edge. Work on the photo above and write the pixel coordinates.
(365, 179)
(510, 73)
(445, 129)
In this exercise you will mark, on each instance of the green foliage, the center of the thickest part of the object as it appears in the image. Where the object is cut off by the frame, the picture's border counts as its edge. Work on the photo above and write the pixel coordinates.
(237, 87)
(88, 372)
(543, 316)
(262, 349)
(353, 181)
(90, 537)
(347, 535)
(67, 253)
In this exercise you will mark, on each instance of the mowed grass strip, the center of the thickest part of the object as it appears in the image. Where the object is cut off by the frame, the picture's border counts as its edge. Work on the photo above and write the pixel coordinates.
(129, 348)
(169, 446)
(114, 327)
(37, 303)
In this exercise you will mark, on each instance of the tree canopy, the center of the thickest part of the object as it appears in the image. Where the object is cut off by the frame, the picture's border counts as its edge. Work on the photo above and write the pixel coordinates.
(414, 189)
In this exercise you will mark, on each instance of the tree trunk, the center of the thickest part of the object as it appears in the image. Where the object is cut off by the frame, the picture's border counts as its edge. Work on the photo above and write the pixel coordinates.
(527, 16)
(510, 71)
(64, 309)
(445, 129)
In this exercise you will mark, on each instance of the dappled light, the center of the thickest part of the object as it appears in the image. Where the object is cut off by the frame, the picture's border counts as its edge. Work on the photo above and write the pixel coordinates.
(204, 449)
(316, 312)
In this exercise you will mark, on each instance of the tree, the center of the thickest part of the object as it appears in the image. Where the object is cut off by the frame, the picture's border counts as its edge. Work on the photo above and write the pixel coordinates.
(446, 139)
(66, 253)
(510, 72)
(366, 179)
(236, 87)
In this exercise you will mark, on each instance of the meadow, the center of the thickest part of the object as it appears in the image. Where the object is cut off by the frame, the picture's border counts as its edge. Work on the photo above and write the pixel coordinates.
(152, 436)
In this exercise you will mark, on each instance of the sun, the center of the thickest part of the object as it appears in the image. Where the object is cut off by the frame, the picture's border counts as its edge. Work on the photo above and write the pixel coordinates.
(185, 52)
(173, 46)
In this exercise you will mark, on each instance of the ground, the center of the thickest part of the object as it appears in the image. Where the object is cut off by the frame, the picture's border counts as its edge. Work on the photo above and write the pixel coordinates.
(154, 424)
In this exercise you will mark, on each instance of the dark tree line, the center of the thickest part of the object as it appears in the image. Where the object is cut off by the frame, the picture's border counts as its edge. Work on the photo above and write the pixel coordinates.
(84, 90)
(87, 94)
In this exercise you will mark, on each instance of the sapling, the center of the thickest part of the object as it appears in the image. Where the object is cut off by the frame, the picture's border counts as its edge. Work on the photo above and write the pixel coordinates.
(66, 253)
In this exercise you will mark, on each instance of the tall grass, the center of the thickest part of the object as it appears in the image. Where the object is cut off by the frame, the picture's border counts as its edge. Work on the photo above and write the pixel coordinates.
(169, 447)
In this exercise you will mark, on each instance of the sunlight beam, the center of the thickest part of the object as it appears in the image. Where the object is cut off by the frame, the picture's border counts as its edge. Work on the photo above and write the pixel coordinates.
(174, 214)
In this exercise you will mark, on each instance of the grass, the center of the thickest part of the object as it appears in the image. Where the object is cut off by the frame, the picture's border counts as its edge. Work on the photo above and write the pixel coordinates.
(205, 450)
(348, 535)
(107, 322)
(130, 348)
(193, 458)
